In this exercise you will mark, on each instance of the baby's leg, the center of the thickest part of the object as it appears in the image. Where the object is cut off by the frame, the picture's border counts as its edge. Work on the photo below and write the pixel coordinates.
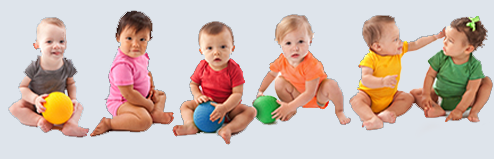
(129, 118)
(286, 92)
(361, 104)
(329, 90)
(71, 127)
(435, 110)
(241, 116)
(482, 96)
(401, 103)
(25, 113)
(187, 111)
(158, 115)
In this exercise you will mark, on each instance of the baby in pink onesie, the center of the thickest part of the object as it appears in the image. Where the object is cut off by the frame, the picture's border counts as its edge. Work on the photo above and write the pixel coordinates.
(133, 101)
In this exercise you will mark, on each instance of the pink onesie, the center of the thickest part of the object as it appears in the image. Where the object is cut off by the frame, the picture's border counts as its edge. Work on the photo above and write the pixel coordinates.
(126, 71)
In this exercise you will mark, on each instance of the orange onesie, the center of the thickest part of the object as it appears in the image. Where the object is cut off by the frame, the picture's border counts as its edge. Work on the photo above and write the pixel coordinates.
(309, 69)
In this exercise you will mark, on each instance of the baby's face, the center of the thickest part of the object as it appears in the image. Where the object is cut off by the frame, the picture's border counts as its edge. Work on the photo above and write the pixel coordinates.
(295, 45)
(51, 41)
(390, 43)
(134, 44)
(455, 43)
(217, 49)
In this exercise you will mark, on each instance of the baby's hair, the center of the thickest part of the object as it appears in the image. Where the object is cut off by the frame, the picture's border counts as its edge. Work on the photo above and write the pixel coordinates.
(214, 28)
(51, 20)
(134, 19)
(476, 37)
(291, 23)
(372, 30)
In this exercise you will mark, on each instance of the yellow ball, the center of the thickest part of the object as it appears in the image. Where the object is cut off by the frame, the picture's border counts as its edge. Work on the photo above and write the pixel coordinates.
(59, 108)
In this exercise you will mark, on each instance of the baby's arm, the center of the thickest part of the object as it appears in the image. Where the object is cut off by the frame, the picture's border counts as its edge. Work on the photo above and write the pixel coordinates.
(371, 81)
(196, 92)
(31, 97)
(428, 81)
(71, 89)
(229, 104)
(152, 82)
(466, 100)
(421, 42)
(266, 82)
(135, 98)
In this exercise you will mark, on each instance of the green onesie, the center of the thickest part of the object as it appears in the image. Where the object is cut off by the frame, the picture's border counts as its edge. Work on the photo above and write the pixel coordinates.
(452, 79)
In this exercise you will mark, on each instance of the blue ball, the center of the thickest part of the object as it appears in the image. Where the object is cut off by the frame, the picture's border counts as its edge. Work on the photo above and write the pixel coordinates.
(202, 116)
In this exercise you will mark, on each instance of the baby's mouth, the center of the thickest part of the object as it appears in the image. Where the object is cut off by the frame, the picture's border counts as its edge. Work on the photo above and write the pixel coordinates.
(56, 53)
(400, 48)
(295, 55)
(217, 60)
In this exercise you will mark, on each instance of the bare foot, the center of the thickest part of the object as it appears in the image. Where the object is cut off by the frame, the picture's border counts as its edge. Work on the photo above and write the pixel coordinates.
(186, 129)
(373, 123)
(473, 117)
(434, 111)
(162, 117)
(103, 127)
(70, 129)
(342, 118)
(226, 134)
(44, 125)
(387, 116)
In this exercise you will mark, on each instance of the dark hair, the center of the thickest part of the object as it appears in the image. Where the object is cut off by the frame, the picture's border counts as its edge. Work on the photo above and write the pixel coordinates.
(134, 19)
(214, 28)
(372, 30)
(476, 37)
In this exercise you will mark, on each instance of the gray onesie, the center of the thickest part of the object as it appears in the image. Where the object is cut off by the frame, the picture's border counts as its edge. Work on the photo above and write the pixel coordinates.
(44, 81)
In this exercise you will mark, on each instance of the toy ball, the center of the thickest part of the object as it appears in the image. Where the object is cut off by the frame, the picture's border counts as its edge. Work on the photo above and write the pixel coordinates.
(202, 118)
(265, 105)
(59, 108)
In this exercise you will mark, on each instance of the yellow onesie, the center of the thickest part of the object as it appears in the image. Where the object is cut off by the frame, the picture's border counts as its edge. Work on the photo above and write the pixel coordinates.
(382, 66)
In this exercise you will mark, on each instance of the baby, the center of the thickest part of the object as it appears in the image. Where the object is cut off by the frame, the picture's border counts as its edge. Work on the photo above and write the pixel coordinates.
(303, 81)
(221, 80)
(378, 99)
(51, 72)
(460, 82)
(133, 102)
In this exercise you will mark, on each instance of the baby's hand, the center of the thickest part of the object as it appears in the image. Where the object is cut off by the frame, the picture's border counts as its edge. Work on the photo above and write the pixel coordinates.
(75, 103)
(427, 102)
(258, 95)
(39, 101)
(389, 81)
(202, 99)
(455, 115)
(218, 113)
(440, 34)
(283, 111)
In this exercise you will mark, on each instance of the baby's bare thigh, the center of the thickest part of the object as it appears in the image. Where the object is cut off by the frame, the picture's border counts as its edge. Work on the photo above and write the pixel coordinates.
(362, 97)
(240, 108)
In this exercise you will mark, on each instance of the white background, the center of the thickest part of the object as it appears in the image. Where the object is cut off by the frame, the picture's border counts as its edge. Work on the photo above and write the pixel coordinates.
(312, 133)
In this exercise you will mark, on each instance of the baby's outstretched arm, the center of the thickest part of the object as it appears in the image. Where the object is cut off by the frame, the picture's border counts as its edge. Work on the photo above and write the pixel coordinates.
(421, 42)
(466, 100)
(371, 81)
(266, 82)
(135, 98)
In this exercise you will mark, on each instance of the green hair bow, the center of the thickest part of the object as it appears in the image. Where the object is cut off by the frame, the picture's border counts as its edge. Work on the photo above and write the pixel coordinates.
(472, 24)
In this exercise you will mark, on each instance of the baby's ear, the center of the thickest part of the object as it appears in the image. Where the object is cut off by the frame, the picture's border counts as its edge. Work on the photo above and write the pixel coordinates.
(469, 49)
(376, 47)
(36, 46)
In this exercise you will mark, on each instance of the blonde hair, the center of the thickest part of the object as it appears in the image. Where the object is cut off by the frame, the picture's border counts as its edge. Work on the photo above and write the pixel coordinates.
(373, 29)
(51, 20)
(291, 23)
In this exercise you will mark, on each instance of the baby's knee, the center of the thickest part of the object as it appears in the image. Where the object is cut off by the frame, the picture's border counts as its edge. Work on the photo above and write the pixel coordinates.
(145, 121)
(187, 105)
(416, 92)
(331, 83)
(487, 82)
(406, 96)
(252, 112)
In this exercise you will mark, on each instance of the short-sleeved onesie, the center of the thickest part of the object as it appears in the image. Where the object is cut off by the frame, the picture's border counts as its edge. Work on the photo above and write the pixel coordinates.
(48, 81)
(382, 66)
(218, 84)
(126, 71)
(452, 79)
(309, 69)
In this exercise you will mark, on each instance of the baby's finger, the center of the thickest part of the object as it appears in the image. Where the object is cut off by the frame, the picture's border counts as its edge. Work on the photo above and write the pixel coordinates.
(447, 118)
(275, 111)
(279, 102)
(221, 119)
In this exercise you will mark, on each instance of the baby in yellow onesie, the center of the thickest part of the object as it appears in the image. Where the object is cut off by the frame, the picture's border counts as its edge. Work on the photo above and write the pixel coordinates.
(378, 99)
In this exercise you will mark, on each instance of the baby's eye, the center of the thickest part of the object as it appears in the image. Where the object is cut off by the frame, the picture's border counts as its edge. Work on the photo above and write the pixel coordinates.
(142, 39)
(451, 41)
(62, 41)
(301, 41)
(49, 42)
(223, 46)
(129, 38)
(210, 48)
(288, 43)
(396, 39)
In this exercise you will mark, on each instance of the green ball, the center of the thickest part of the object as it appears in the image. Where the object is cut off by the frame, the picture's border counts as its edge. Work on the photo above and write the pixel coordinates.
(265, 105)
